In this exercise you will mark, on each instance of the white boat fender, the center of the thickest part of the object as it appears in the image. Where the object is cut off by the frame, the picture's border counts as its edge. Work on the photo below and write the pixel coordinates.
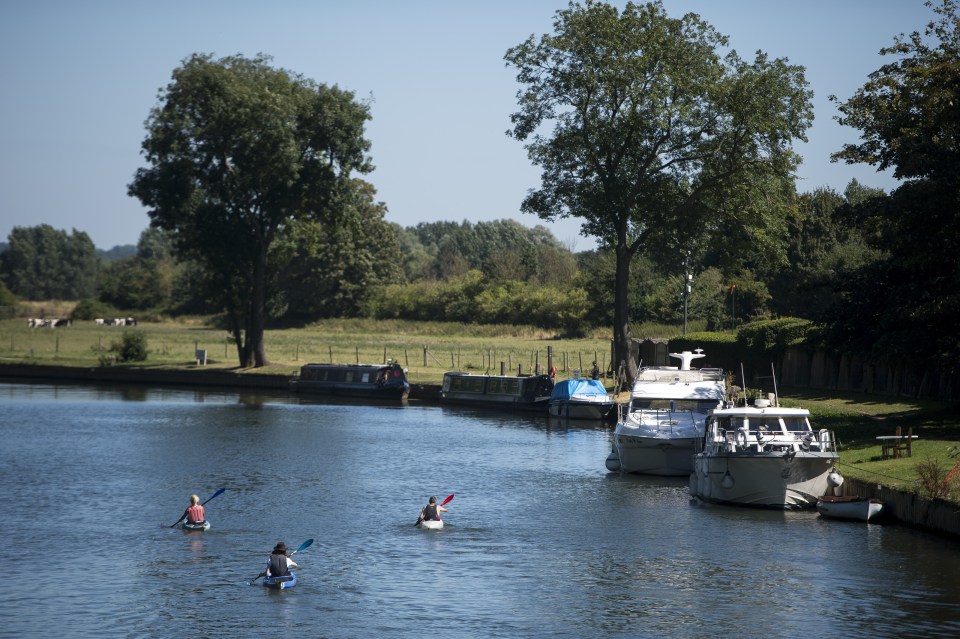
(742, 437)
(613, 461)
(834, 478)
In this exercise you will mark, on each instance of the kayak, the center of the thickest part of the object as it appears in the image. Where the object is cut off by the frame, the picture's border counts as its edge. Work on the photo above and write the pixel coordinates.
(281, 583)
(200, 525)
(432, 524)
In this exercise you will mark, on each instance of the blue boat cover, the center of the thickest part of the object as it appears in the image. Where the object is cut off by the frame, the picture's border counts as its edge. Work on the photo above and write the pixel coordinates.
(568, 388)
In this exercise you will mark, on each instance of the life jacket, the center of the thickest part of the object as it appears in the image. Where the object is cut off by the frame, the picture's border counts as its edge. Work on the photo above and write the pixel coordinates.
(430, 513)
(195, 514)
(278, 566)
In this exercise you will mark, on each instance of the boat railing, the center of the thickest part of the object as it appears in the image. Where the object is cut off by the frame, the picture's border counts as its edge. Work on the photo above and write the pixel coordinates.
(731, 441)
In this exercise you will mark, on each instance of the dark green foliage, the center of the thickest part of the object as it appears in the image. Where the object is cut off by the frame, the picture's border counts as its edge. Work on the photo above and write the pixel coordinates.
(335, 268)
(473, 298)
(132, 347)
(502, 249)
(905, 303)
(89, 309)
(42, 263)
(774, 335)
(241, 158)
(6, 297)
(657, 142)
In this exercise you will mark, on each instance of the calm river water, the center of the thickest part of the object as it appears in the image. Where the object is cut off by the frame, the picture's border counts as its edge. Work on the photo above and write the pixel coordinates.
(540, 541)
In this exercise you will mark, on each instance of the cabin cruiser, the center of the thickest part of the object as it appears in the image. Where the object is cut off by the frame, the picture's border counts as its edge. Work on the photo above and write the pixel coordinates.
(580, 399)
(764, 456)
(658, 431)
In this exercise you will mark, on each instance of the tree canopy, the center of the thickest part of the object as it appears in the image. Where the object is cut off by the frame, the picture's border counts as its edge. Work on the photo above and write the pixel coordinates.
(239, 153)
(907, 302)
(657, 141)
(42, 263)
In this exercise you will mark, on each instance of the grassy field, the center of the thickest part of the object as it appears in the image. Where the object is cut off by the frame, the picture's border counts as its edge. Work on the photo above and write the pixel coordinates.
(428, 349)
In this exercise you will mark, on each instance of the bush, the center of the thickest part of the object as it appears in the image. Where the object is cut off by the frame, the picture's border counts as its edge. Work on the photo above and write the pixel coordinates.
(132, 347)
(89, 309)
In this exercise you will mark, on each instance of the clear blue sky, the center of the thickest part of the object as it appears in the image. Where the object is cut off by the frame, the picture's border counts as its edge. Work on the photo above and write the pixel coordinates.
(79, 79)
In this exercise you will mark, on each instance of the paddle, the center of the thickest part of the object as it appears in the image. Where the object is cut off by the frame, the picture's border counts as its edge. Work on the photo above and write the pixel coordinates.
(302, 546)
(442, 503)
(219, 492)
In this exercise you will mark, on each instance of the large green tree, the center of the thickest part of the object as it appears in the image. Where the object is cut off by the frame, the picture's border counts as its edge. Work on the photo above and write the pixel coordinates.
(43, 263)
(907, 302)
(238, 153)
(655, 137)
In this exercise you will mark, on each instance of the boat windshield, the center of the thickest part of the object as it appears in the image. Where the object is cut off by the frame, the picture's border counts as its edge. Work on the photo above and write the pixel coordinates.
(695, 405)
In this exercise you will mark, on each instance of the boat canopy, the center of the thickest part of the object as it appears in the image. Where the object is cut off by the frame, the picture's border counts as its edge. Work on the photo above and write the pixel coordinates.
(569, 388)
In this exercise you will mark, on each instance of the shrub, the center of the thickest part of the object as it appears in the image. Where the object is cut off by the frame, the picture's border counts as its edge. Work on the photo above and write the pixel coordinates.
(90, 309)
(132, 347)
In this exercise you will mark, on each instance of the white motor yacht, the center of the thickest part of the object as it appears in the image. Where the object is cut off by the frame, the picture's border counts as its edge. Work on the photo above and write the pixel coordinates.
(657, 432)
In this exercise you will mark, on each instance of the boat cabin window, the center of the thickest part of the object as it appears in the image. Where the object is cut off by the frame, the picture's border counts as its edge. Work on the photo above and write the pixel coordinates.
(794, 424)
(695, 405)
(503, 385)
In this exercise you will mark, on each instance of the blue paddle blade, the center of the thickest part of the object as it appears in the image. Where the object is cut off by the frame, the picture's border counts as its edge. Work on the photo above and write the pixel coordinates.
(304, 545)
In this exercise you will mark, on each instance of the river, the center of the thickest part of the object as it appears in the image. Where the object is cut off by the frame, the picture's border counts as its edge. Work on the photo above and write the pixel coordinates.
(540, 540)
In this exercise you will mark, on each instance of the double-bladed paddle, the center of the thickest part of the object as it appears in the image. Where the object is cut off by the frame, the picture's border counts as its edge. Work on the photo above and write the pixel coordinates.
(302, 546)
(442, 503)
(219, 492)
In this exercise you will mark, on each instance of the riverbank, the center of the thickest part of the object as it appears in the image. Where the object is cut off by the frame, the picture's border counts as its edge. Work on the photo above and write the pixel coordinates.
(198, 377)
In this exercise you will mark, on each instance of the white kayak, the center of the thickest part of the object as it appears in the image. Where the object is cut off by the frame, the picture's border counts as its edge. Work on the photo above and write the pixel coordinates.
(432, 524)
(200, 525)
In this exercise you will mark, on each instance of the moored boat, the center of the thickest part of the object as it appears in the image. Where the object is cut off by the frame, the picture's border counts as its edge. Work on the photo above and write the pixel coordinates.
(849, 507)
(375, 381)
(280, 583)
(764, 456)
(658, 431)
(515, 392)
(580, 399)
(196, 526)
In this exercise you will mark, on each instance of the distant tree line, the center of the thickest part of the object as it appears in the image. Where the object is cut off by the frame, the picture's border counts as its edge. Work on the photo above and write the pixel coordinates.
(484, 272)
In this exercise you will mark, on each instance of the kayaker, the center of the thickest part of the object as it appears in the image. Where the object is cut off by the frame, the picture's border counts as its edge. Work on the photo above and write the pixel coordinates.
(194, 512)
(431, 512)
(279, 564)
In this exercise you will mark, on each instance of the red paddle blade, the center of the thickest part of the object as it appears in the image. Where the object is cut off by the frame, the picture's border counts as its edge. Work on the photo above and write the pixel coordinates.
(445, 501)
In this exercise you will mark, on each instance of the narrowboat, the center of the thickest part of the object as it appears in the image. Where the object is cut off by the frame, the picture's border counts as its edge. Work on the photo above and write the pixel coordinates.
(515, 392)
(376, 381)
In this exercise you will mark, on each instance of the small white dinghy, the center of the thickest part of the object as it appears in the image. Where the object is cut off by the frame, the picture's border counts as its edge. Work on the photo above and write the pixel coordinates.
(433, 524)
(849, 507)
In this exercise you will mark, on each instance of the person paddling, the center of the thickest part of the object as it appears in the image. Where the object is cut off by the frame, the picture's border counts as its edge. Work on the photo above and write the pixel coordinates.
(194, 513)
(431, 512)
(278, 563)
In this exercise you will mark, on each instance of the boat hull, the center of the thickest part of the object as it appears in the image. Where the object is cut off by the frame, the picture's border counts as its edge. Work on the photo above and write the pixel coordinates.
(280, 583)
(580, 410)
(652, 455)
(849, 508)
(196, 527)
(432, 524)
(372, 381)
(762, 480)
(517, 393)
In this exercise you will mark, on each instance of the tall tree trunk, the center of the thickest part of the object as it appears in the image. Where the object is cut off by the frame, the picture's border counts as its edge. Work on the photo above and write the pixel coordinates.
(622, 351)
(258, 310)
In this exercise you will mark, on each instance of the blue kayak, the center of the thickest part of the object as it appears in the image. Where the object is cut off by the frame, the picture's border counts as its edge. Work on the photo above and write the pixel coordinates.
(200, 525)
(280, 583)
